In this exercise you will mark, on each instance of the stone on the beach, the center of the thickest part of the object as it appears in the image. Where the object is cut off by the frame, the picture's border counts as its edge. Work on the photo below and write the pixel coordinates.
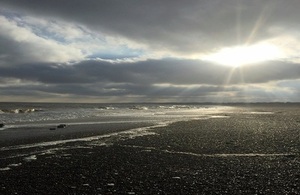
(1, 125)
(62, 126)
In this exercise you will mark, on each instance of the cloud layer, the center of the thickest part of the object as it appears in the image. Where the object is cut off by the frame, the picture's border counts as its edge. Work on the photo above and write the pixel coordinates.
(145, 50)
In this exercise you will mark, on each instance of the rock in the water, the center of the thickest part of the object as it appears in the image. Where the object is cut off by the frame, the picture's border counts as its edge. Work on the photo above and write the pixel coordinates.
(62, 126)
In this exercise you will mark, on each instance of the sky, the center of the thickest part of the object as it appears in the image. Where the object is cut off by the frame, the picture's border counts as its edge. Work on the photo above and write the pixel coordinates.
(150, 51)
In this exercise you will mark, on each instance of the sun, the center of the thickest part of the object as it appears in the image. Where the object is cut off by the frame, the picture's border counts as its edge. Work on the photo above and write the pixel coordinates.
(242, 55)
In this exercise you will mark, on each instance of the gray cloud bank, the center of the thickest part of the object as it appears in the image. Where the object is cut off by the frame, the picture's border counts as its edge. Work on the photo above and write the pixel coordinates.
(49, 66)
(164, 71)
(182, 26)
(151, 78)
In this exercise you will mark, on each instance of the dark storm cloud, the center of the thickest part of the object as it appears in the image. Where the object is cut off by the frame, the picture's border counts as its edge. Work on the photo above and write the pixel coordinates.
(154, 79)
(8, 50)
(45, 73)
(150, 72)
(104, 90)
(183, 26)
(270, 71)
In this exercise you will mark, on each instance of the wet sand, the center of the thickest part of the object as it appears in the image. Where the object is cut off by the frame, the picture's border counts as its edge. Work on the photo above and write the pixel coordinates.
(43, 132)
(242, 153)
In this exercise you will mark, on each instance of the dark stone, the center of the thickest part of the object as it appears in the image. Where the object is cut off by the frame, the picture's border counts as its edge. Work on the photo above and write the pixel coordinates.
(62, 126)
(1, 125)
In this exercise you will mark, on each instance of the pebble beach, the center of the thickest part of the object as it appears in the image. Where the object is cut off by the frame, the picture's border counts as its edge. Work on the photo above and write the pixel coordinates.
(250, 151)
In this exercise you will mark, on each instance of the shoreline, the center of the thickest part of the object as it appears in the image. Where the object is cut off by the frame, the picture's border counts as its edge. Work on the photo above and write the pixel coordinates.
(37, 133)
(252, 153)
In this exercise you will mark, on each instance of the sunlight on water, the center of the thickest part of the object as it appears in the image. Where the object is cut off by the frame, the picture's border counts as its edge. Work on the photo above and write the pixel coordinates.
(31, 113)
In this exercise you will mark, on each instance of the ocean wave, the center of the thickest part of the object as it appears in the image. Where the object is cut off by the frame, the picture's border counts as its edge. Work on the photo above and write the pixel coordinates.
(180, 107)
(20, 110)
(151, 107)
(138, 108)
(107, 108)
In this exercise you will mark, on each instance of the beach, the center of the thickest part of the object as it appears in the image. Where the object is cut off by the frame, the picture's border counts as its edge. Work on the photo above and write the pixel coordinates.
(254, 150)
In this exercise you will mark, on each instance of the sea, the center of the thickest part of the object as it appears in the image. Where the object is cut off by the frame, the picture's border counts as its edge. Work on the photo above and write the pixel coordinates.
(27, 130)
(13, 115)
(32, 125)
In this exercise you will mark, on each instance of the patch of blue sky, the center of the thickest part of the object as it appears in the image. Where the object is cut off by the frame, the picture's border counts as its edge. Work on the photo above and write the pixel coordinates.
(92, 44)
(117, 54)
(44, 31)
(46, 34)
(19, 20)
(292, 84)
(47, 29)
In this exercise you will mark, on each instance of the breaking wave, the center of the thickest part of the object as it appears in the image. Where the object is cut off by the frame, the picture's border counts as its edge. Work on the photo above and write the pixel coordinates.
(19, 110)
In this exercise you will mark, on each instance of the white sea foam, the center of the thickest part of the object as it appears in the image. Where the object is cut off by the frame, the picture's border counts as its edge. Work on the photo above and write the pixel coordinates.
(3, 128)
(228, 155)
(141, 147)
(15, 165)
(132, 133)
(35, 112)
(107, 108)
(219, 116)
(261, 112)
(5, 169)
(30, 158)
(176, 177)
(221, 155)
(19, 110)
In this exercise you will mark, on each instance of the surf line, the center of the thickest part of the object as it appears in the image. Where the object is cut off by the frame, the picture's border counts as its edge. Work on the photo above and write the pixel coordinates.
(221, 155)
(129, 134)
(233, 155)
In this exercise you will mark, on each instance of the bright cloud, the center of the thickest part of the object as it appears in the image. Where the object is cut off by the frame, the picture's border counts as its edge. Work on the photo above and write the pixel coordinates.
(33, 48)
(241, 55)
(42, 40)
